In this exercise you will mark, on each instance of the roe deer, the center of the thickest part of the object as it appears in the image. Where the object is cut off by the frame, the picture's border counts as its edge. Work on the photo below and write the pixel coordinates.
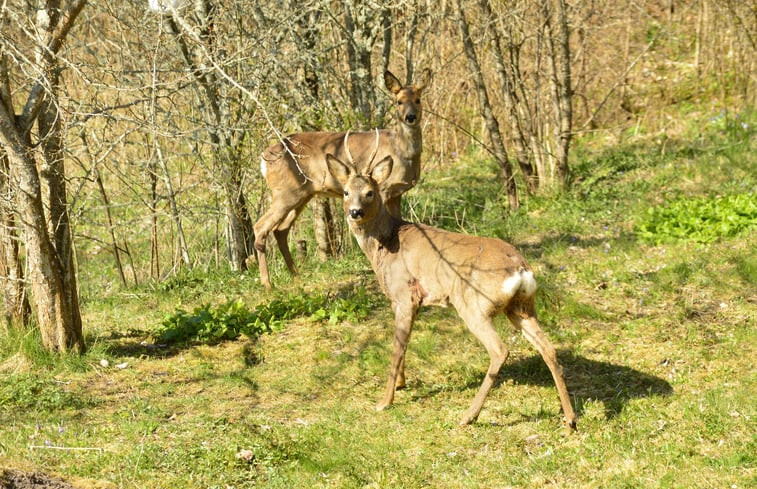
(420, 265)
(295, 169)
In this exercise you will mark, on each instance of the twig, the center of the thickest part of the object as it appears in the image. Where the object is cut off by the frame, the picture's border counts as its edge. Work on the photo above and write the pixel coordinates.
(53, 447)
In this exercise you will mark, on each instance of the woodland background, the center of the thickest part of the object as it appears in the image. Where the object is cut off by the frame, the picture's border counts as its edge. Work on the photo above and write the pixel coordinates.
(138, 129)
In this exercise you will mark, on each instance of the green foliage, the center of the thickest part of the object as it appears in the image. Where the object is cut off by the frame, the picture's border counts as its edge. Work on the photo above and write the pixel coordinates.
(212, 324)
(209, 324)
(702, 220)
(38, 393)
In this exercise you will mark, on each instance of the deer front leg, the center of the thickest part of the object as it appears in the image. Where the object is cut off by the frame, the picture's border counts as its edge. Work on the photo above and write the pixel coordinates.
(400, 382)
(281, 234)
(403, 318)
(483, 329)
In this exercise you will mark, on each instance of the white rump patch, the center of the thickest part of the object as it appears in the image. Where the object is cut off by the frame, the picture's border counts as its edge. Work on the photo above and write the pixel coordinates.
(263, 167)
(528, 282)
(522, 281)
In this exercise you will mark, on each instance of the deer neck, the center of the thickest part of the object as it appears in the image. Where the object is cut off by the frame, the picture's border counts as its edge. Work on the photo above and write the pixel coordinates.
(409, 141)
(378, 235)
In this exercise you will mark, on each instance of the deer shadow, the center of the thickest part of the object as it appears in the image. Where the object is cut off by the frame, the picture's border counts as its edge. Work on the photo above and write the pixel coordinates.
(613, 385)
(587, 380)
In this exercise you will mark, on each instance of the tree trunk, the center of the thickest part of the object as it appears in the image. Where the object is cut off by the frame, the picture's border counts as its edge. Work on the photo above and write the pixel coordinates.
(360, 34)
(562, 91)
(217, 118)
(108, 216)
(492, 125)
(15, 301)
(507, 82)
(240, 223)
(49, 255)
(53, 288)
(324, 226)
(184, 249)
(325, 235)
(58, 222)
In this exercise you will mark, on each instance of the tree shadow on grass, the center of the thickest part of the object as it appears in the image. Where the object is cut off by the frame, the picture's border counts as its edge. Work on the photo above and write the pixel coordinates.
(138, 344)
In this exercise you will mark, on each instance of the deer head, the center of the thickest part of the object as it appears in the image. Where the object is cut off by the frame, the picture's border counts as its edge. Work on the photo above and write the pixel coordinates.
(361, 191)
(407, 98)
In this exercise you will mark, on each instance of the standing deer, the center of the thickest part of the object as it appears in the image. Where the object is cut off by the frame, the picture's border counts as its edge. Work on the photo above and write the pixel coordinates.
(420, 265)
(295, 169)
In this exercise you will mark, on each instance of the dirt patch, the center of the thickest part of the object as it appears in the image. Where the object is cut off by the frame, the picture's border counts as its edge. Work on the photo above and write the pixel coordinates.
(11, 479)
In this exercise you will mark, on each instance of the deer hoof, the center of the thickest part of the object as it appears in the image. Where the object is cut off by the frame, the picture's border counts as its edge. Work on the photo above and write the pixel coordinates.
(382, 405)
(467, 419)
(570, 426)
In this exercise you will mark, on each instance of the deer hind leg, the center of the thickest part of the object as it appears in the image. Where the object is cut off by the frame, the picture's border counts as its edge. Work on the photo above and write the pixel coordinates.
(399, 382)
(483, 329)
(404, 316)
(534, 334)
(281, 233)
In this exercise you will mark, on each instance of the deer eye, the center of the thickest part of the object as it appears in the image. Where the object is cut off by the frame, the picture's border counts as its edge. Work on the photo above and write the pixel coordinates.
(346, 194)
(369, 194)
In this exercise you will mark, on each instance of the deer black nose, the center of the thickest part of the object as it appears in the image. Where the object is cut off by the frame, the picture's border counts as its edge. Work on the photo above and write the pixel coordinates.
(356, 213)
(410, 118)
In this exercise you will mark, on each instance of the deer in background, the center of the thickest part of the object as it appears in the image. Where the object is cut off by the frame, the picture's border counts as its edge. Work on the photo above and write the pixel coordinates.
(295, 169)
(420, 265)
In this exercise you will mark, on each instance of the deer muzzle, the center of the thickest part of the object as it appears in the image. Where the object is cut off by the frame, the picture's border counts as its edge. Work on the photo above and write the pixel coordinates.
(357, 213)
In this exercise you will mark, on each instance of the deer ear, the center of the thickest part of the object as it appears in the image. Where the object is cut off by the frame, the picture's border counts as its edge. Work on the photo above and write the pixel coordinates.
(382, 169)
(391, 82)
(423, 80)
(339, 170)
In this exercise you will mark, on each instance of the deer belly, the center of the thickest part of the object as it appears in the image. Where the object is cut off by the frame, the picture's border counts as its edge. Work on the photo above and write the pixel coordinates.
(433, 295)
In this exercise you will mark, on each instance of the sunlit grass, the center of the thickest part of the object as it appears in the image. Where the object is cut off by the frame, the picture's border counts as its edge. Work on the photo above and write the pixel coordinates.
(656, 341)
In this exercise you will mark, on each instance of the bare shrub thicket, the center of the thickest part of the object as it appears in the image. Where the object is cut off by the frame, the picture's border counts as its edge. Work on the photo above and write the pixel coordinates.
(156, 116)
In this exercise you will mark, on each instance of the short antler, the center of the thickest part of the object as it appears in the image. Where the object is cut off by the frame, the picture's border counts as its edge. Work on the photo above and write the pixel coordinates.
(373, 154)
(347, 148)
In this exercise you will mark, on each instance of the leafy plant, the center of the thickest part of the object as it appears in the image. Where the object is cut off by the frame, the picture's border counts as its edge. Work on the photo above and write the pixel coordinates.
(209, 324)
(702, 220)
(212, 324)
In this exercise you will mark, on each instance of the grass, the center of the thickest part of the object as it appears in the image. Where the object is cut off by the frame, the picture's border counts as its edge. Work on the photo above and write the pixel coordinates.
(656, 339)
